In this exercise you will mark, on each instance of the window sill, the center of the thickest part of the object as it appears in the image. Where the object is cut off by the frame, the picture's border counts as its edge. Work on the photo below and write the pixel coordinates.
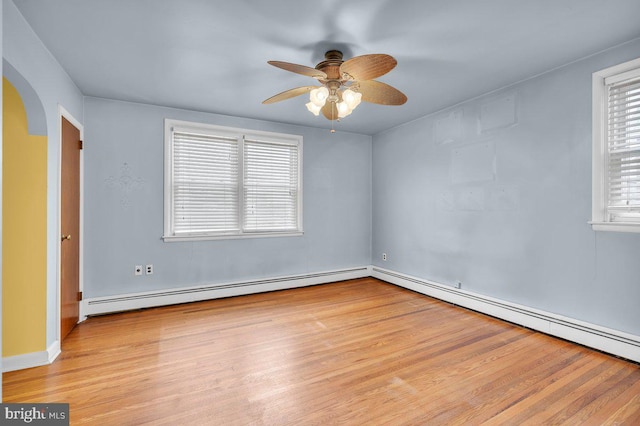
(616, 226)
(179, 238)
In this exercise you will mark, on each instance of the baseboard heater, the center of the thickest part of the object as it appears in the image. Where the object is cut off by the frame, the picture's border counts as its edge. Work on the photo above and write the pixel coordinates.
(614, 342)
(117, 303)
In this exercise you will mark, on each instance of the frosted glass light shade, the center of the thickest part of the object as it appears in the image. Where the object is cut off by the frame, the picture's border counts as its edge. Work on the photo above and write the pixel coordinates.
(343, 109)
(315, 109)
(319, 96)
(352, 98)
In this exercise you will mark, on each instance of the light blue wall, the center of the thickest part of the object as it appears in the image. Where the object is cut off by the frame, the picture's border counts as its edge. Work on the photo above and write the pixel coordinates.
(123, 210)
(496, 193)
(511, 224)
(24, 51)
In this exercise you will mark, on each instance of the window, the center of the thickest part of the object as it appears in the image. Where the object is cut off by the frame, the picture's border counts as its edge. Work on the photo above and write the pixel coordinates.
(616, 148)
(223, 182)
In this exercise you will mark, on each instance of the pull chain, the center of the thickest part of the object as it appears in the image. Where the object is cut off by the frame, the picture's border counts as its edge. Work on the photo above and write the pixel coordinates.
(332, 118)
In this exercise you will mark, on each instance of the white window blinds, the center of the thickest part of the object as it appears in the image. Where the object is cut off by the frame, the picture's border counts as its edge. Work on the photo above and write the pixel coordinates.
(222, 182)
(623, 142)
(270, 186)
(205, 183)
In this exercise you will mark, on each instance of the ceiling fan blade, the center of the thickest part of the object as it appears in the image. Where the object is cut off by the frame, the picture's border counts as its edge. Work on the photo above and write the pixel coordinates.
(298, 69)
(368, 67)
(377, 92)
(330, 111)
(291, 93)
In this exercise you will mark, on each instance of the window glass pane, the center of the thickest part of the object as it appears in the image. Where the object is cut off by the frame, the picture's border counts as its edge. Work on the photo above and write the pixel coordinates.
(205, 183)
(623, 146)
(270, 186)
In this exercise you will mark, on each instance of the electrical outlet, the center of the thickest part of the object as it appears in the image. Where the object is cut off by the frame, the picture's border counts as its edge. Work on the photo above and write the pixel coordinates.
(137, 270)
(458, 284)
(149, 269)
(384, 256)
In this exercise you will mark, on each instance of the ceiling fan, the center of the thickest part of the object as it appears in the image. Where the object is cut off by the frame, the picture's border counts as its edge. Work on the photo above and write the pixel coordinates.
(343, 84)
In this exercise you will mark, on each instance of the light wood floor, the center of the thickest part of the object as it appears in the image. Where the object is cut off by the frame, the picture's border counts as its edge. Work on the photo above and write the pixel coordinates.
(355, 352)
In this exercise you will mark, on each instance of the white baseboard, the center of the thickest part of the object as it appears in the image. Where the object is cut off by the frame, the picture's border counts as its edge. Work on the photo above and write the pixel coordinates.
(125, 302)
(53, 351)
(32, 359)
(607, 340)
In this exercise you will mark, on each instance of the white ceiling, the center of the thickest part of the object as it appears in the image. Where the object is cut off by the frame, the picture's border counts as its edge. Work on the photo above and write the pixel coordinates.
(211, 56)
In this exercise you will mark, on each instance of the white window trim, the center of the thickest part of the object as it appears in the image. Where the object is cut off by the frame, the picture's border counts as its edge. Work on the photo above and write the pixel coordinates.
(169, 124)
(599, 220)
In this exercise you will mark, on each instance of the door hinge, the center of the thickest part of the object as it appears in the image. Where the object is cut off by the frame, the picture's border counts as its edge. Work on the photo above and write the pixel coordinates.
(80, 145)
(79, 296)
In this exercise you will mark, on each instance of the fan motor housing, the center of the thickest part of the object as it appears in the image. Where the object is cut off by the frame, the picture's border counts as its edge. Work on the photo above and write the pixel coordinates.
(331, 65)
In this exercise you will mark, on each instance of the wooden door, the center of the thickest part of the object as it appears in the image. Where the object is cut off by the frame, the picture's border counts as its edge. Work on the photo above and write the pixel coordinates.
(70, 228)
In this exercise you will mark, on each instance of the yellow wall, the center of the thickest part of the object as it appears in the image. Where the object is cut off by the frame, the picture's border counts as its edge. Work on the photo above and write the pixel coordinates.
(24, 228)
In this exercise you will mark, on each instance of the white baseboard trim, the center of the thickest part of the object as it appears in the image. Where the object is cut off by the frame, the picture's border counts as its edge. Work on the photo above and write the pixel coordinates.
(53, 351)
(594, 336)
(32, 359)
(125, 302)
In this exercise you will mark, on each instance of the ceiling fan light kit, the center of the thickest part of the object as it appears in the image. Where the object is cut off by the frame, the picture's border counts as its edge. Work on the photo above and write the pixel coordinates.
(317, 97)
(313, 108)
(344, 84)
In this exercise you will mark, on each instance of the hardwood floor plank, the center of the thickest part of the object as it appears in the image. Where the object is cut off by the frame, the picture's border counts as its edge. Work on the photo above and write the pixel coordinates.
(603, 412)
(583, 407)
(550, 390)
(628, 414)
(353, 352)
